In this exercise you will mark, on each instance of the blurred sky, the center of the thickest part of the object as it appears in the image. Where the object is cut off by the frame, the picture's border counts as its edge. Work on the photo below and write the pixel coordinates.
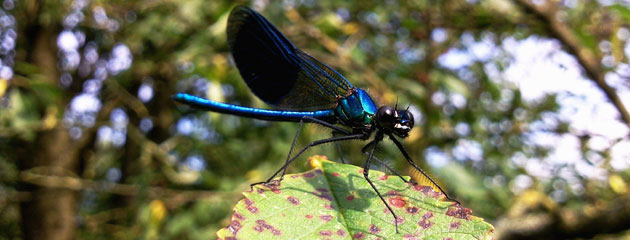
(538, 67)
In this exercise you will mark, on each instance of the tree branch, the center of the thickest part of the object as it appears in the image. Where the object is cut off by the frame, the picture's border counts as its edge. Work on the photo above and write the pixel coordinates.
(79, 184)
(591, 63)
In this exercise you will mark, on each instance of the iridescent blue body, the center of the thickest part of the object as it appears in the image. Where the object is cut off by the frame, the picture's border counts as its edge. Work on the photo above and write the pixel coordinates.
(355, 110)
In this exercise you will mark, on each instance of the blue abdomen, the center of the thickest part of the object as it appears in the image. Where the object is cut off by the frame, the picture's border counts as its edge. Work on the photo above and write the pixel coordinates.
(263, 114)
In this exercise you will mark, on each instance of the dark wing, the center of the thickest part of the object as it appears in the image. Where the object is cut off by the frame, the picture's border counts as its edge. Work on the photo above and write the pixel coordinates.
(275, 70)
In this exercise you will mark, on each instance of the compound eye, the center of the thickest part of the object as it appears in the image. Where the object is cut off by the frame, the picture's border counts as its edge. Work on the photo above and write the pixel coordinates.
(406, 118)
(386, 117)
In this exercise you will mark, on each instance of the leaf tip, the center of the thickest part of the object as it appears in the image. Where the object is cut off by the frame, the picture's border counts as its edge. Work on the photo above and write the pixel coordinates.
(316, 161)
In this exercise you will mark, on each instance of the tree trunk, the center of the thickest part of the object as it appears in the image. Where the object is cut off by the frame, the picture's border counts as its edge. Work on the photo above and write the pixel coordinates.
(50, 213)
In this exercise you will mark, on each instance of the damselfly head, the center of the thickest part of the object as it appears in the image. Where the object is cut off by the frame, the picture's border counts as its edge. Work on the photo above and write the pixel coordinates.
(398, 122)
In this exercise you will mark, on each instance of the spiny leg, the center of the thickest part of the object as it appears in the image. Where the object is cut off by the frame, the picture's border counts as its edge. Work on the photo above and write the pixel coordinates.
(315, 143)
(413, 164)
(326, 124)
(297, 133)
(366, 171)
(317, 121)
(382, 163)
(336, 130)
(339, 148)
(364, 150)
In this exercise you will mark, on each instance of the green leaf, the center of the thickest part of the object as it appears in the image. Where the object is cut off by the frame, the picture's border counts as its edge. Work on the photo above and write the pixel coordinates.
(456, 85)
(621, 11)
(334, 201)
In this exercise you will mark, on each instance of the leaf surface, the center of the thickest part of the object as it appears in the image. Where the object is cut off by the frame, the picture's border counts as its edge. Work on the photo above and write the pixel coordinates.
(334, 201)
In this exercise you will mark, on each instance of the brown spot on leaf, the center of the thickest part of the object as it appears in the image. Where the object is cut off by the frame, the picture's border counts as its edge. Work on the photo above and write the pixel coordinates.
(425, 223)
(238, 216)
(308, 175)
(294, 176)
(262, 225)
(410, 237)
(322, 190)
(459, 212)
(309, 216)
(318, 171)
(341, 233)
(248, 202)
(323, 196)
(374, 229)
(293, 200)
(455, 225)
(235, 226)
(326, 217)
(361, 172)
(412, 210)
(335, 174)
(384, 177)
(448, 238)
(428, 191)
(275, 189)
(326, 233)
(397, 202)
(349, 197)
(427, 215)
(399, 220)
(329, 206)
(252, 209)
(392, 193)
(358, 235)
